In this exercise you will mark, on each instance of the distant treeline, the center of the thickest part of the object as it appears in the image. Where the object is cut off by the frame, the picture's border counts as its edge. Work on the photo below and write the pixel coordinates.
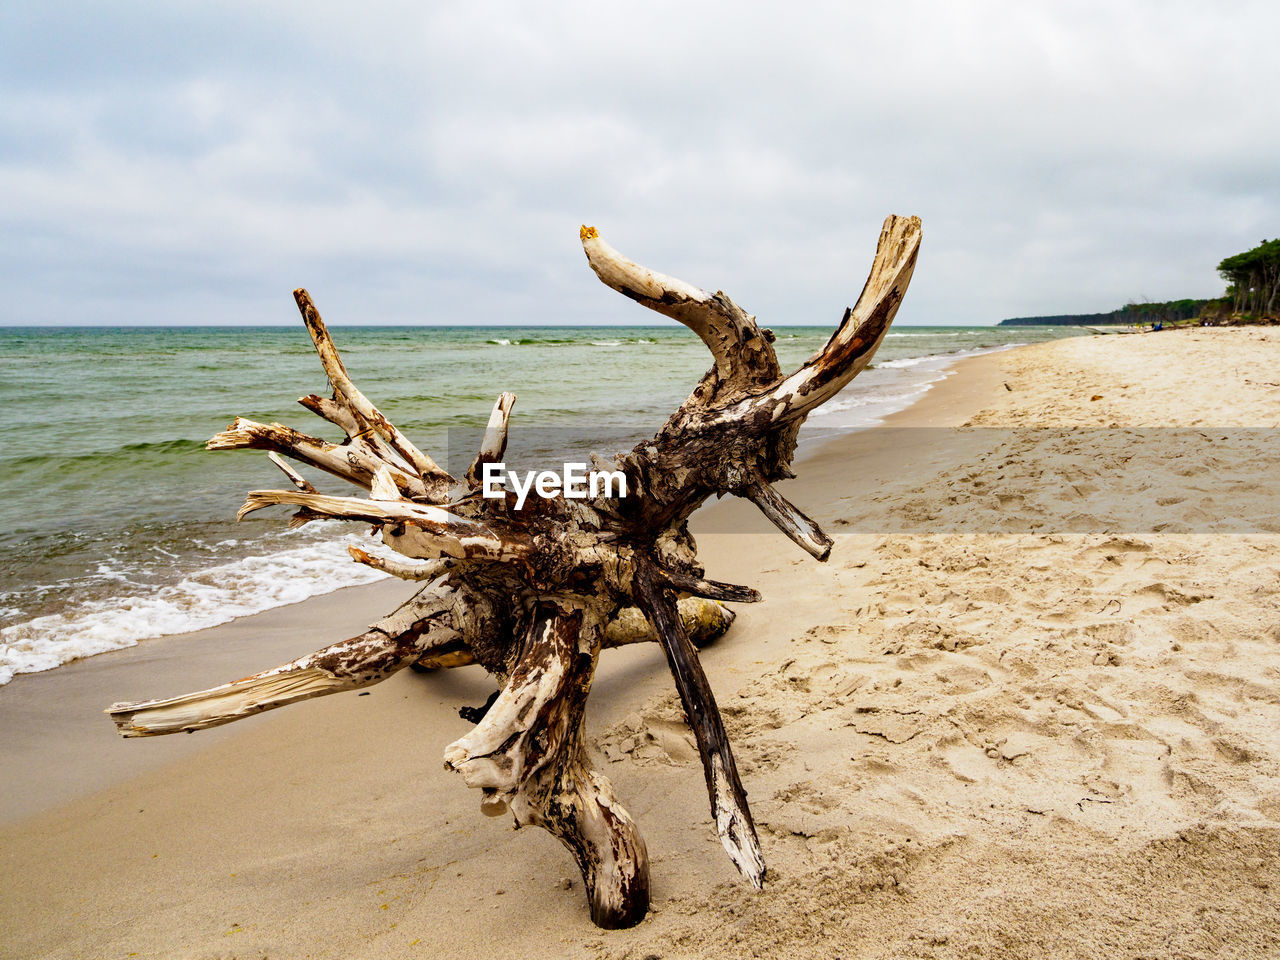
(1253, 295)
(1129, 314)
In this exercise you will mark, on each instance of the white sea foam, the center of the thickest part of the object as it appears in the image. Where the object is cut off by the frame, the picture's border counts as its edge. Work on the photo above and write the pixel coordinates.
(869, 402)
(883, 402)
(904, 363)
(213, 596)
(867, 409)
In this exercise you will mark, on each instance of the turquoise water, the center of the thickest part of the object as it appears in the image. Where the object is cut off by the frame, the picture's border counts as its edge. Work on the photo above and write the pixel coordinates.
(116, 525)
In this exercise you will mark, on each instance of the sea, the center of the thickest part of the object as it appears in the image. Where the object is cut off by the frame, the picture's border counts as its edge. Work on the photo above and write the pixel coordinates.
(118, 527)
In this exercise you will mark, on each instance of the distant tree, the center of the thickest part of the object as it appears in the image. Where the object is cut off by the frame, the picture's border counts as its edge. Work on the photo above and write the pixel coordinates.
(1253, 278)
(1169, 311)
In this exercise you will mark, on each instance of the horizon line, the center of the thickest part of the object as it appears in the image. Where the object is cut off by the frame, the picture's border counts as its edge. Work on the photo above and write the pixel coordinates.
(427, 326)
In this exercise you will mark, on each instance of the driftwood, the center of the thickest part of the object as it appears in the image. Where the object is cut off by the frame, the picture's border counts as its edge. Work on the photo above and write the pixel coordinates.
(534, 594)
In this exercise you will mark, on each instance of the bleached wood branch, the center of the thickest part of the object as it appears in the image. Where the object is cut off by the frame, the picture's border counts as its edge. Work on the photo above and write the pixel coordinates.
(360, 435)
(429, 620)
(298, 479)
(404, 569)
(742, 355)
(383, 486)
(353, 465)
(336, 413)
(494, 444)
(861, 330)
(437, 479)
(449, 534)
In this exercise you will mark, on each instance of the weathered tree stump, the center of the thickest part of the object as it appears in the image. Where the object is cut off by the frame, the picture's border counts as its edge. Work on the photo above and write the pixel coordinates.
(534, 594)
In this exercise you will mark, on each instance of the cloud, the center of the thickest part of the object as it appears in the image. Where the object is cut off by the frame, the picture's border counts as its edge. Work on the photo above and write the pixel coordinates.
(432, 163)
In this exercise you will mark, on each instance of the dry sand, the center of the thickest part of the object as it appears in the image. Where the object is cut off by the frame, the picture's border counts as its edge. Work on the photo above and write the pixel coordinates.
(1049, 731)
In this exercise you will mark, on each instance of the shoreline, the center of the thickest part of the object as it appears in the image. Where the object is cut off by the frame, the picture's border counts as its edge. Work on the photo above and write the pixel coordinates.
(186, 574)
(953, 743)
(56, 713)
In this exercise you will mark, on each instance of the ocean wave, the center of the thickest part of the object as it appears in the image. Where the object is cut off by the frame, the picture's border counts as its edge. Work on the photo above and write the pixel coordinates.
(897, 400)
(940, 360)
(904, 363)
(871, 406)
(205, 599)
(529, 341)
(180, 446)
(568, 342)
(454, 398)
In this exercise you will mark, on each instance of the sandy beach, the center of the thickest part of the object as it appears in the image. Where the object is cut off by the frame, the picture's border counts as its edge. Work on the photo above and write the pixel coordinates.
(1029, 708)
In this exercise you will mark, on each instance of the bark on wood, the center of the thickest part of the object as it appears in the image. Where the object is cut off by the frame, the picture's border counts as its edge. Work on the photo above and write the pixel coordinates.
(527, 755)
(534, 595)
(728, 798)
(788, 518)
(703, 621)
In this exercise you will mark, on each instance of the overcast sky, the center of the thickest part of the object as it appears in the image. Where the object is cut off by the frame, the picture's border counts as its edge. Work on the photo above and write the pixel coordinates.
(166, 163)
